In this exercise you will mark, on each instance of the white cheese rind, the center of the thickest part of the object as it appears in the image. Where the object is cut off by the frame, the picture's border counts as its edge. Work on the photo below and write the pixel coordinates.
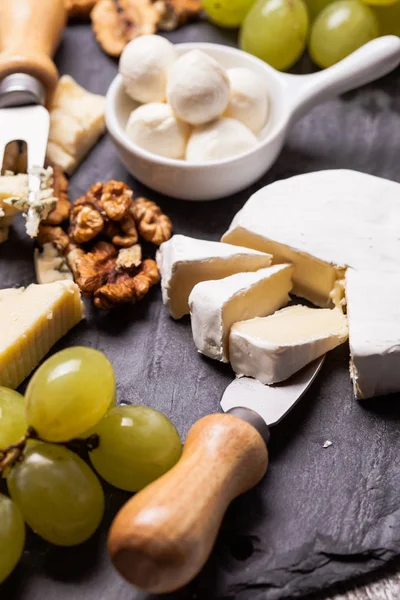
(273, 348)
(323, 222)
(183, 262)
(31, 322)
(373, 310)
(216, 305)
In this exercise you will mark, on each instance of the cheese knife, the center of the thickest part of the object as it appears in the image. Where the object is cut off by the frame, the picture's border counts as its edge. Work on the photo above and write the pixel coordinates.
(30, 31)
(162, 537)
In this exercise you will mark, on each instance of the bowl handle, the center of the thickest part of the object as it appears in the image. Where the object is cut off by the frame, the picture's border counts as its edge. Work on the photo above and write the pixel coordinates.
(370, 62)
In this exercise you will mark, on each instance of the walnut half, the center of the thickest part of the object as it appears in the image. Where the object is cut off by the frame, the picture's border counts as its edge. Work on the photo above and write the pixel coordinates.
(123, 287)
(117, 22)
(153, 225)
(62, 208)
(178, 12)
(93, 269)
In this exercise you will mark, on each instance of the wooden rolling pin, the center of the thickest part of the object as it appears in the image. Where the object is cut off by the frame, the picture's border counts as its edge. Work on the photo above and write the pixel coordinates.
(30, 31)
(163, 536)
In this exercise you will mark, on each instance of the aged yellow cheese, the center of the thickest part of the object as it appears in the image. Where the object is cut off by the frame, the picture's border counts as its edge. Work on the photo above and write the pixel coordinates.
(32, 319)
(76, 123)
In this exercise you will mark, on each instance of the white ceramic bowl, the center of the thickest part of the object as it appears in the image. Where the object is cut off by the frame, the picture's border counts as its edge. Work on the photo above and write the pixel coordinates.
(290, 97)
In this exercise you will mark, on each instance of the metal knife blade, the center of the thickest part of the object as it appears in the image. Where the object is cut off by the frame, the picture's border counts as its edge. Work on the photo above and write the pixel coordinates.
(270, 402)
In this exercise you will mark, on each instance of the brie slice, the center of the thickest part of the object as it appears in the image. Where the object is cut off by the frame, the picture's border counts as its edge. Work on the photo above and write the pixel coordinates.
(373, 310)
(183, 262)
(273, 348)
(323, 222)
(216, 305)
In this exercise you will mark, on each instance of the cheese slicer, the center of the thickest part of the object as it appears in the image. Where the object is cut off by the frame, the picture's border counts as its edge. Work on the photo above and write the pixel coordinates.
(162, 537)
(30, 31)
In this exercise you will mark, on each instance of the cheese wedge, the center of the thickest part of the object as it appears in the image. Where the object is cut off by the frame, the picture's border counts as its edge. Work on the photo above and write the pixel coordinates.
(32, 319)
(216, 305)
(76, 123)
(50, 265)
(323, 222)
(183, 262)
(373, 310)
(272, 348)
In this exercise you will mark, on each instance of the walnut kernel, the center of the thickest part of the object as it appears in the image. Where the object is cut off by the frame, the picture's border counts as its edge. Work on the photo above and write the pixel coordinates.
(86, 223)
(153, 225)
(114, 26)
(122, 287)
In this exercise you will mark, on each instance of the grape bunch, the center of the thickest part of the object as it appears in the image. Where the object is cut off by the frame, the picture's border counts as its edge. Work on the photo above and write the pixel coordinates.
(279, 31)
(70, 404)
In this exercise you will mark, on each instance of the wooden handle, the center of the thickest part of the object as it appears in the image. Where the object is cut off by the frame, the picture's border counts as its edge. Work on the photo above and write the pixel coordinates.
(30, 31)
(162, 537)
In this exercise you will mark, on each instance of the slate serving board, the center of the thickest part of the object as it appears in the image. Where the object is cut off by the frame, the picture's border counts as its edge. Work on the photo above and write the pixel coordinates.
(320, 516)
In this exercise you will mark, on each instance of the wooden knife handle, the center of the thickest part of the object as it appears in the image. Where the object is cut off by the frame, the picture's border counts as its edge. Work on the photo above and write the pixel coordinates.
(30, 31)
(161, 538)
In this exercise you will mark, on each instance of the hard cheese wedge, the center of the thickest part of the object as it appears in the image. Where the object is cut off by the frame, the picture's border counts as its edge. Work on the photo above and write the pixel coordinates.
(185, 261)
(272, 348)
(32, 319)
(76, 123)
(323, 222)
(373, 310)
(216, 305)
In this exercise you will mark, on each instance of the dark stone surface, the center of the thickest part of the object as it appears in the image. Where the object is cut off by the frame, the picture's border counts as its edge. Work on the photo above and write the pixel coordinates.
(320, 516)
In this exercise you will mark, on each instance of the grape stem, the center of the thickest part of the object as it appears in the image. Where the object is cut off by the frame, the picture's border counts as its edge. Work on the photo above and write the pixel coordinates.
(14, 453)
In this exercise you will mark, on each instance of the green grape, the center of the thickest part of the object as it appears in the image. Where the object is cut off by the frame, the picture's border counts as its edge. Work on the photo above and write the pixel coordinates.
(380, 2)
(388, 18)
(227, 13)
(12, 417)
(12, 536)
(69, 394)
(339, 29)
(276, 31)
(137, 445)
(58, 494)
(315, 6)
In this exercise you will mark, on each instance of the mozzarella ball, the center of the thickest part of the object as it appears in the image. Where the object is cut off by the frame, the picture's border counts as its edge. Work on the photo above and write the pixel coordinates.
(144, 66)
(248, 102)
(155, 128)
(220, 139)
(198, 88)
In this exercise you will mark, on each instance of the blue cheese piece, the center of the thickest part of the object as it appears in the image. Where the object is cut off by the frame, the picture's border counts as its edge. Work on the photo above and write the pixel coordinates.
(36, 205)
(50, 265)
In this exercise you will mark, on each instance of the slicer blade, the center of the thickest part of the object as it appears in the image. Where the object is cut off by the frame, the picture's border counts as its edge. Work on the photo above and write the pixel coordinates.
(271, 402)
